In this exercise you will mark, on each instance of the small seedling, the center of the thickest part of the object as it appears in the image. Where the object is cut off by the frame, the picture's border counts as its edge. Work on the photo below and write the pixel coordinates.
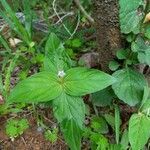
(51, 135)
(15, 128)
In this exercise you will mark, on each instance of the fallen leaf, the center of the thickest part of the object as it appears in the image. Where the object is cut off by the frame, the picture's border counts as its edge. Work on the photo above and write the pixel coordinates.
(1, 100)
(14, 42)
(147, 18)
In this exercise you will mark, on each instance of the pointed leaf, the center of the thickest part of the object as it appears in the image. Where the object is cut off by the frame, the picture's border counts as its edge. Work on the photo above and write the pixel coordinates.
(72, 134)
(81, 81)
(69, 107)
(40, 87)
(28, 16)
(55, 58)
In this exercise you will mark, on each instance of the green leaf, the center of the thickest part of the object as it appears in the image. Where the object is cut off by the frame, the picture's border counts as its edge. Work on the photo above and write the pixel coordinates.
(142, 47)
(146, 95)
(55, 58)
(130, 37)
(100, 140)
(99, 125)
(72, 134)
(5, 44)
(69, 107)
(110, 120)
(145, 105)
(117, 123)
(51, 136)
(14, 23)
(123, 54)
(81, 81)
(125, 140)
(147, 31)
(113, 65)
(28, 16)
(76, 43)
(53, 50)
(129, 86)
(103, 98)
(1, 84)
(15, 127)
(139, 131)
(115, 147)
(130, 15)
(40, 87)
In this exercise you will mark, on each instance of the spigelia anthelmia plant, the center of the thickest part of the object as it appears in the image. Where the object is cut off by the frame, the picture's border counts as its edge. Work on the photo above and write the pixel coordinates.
(64, 86)
(93, 109)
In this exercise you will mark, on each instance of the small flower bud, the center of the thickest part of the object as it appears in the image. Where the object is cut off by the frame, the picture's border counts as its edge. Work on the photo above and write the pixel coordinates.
(61, 73)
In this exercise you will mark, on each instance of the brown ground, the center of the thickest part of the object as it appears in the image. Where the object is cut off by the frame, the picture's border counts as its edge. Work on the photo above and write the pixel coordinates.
(30, 140)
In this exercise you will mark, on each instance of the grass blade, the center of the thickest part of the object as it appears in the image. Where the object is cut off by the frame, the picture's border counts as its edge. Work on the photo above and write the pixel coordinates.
(14, 23)
(5, 44)
(117, 123)
(28, 16)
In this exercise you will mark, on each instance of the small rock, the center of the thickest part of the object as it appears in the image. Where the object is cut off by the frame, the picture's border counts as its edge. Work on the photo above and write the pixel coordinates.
(90, 60)
(40, 129)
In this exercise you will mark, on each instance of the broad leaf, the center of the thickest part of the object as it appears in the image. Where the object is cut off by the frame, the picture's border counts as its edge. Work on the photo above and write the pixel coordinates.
(55, 56)
(130, 15)
(103, 98)
(72, 134)
(142, 47)
(70, 108)
(139, 131)
(40, 87)
(129, 86)
(81, 81)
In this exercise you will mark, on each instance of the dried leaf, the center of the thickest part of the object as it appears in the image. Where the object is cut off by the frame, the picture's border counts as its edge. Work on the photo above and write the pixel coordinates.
(147, 18)
(14, 42)
(1, 100)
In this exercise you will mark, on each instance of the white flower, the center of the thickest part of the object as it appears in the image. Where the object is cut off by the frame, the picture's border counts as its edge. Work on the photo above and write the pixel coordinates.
(61, 73)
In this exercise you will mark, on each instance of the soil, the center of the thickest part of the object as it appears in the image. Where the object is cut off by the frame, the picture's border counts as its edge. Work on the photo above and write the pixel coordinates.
(32, 139)
(108, 35)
